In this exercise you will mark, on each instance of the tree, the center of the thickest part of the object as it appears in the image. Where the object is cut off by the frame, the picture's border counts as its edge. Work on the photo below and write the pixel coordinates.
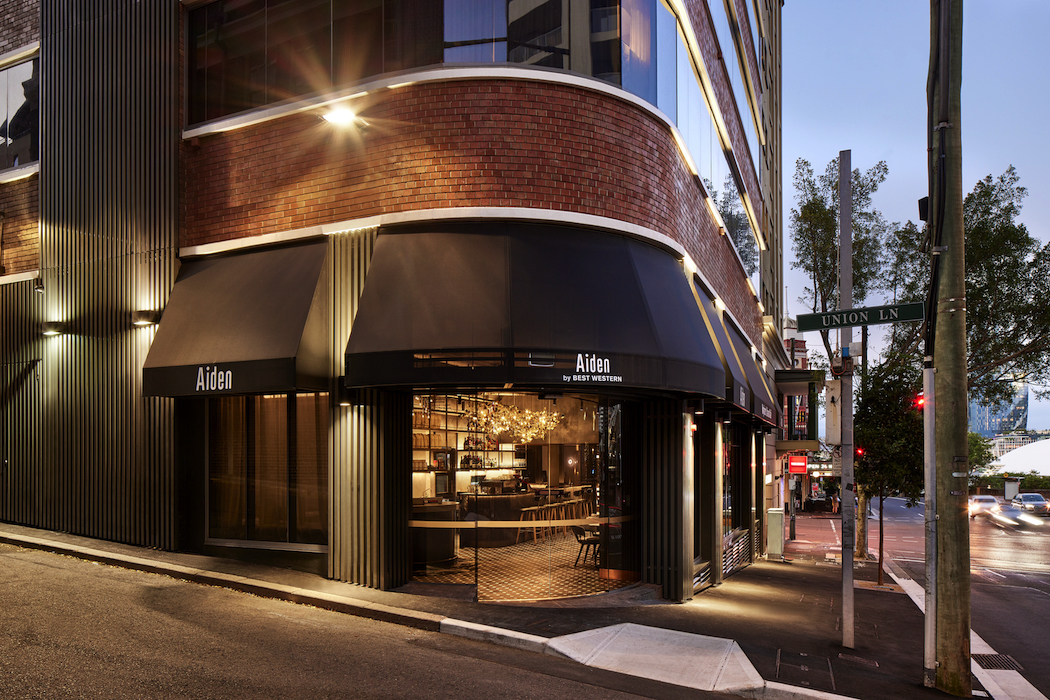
(738, 228)
(1007, 283)
(981, 454)
(888, 431)
(815, 234)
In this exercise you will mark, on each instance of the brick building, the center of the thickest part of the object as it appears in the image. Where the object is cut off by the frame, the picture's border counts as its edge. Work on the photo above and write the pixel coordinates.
(396, 290)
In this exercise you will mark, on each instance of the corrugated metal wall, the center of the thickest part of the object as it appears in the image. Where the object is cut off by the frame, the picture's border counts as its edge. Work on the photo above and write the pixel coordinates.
(94, 457)
(370, 474)
(663, 497)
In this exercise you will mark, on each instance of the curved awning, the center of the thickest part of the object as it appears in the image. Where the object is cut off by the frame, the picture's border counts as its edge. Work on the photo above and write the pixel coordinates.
(528, 305)
(737, 389)
(763, 405)
(244, 324)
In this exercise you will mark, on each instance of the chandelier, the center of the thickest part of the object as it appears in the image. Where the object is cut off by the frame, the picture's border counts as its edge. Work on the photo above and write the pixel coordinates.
(522, 425)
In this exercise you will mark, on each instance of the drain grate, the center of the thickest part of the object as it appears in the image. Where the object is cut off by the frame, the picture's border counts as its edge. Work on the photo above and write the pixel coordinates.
(859, 660)
(996, 662)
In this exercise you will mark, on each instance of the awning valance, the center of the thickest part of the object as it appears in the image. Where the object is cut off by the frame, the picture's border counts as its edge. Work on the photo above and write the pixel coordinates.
(737, 391)
(763, 405)
(244, 324)
(528, 305)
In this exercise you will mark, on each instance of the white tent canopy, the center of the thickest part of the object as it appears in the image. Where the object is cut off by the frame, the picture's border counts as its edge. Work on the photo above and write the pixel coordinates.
(1035, 456)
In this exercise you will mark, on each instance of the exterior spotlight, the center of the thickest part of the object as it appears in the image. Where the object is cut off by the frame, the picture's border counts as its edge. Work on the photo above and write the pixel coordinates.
(53, 328)
(38, 285)
(343, 116)
(145, 318)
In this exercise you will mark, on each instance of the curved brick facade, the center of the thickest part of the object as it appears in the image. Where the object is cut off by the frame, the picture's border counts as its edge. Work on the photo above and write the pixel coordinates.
(475, 143)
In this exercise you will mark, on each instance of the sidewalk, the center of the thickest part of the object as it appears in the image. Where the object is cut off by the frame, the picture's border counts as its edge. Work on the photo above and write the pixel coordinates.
(772, 630)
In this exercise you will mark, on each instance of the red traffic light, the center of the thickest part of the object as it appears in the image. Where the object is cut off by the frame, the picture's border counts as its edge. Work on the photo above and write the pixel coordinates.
(860, 451)
(920, 402)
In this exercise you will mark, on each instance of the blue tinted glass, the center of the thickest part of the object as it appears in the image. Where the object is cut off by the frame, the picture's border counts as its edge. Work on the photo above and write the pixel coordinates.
(488, 52)
(639, 48)
(666, 61)
(467, 20)
(475, 32)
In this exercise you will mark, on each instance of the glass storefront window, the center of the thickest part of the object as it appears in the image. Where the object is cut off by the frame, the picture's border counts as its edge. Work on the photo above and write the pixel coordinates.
(268, 468)
(19, 114)
(522, 495)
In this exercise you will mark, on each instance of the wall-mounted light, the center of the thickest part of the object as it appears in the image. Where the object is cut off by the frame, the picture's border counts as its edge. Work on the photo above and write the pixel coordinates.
(53, 328)
(145, 317)
(38, 285)
(343, 116)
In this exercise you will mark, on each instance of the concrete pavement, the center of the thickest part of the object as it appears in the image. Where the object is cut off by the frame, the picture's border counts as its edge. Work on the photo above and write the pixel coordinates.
(772, 630)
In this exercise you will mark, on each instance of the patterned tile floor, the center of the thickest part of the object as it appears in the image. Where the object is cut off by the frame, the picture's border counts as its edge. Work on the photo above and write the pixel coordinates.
(532, 570)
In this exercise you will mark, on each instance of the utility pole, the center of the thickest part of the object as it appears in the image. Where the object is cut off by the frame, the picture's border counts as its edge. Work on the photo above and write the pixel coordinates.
(946, 344)
(862, 498)
(848, 506)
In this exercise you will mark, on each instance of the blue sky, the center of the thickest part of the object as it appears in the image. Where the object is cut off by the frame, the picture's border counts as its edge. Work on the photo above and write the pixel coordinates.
(854, 78)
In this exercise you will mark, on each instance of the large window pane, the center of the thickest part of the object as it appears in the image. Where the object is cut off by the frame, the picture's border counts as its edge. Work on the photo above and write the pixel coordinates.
(298, 47)
(639, 47)
(475, 31)
(268, 468)
(537, 34)
(310, 479)
(227, 469)
(605, 40)
(227, 46)
(413, 33)
(19, 114)
(357, 39)
(667, 61)
(268, 492)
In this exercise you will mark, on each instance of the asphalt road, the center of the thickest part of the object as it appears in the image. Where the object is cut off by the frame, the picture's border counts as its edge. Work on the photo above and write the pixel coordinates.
(75, 629)
(991, 546)
(1009, 582)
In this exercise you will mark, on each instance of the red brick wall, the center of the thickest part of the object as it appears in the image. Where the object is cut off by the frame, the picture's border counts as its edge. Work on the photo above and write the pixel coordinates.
(19, 24)
(483, 143)
(21, 233)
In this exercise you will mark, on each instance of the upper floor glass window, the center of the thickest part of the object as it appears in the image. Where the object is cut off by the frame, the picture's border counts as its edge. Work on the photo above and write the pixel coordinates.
(20, 114)
(244, 54)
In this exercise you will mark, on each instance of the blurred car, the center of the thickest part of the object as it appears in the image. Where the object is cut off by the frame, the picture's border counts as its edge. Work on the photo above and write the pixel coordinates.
(1032, 502)
(982, 504)
(1010, 517)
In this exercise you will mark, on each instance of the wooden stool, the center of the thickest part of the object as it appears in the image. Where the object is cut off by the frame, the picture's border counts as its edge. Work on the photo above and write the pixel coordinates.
(529, 513)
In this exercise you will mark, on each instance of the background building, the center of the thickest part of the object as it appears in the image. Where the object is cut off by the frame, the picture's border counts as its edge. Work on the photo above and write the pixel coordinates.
(316, 276)
(989, 421)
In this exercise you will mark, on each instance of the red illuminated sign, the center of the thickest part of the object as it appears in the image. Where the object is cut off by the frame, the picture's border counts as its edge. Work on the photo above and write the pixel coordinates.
(797, 465)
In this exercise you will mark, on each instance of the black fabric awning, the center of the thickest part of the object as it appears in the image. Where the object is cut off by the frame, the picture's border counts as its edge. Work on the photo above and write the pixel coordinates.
(244, 324)
(528, 305)
(763, 406)
(737, 390)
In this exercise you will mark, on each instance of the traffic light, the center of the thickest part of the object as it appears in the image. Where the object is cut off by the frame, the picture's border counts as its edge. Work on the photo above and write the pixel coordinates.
(919, 402)
(859, 452)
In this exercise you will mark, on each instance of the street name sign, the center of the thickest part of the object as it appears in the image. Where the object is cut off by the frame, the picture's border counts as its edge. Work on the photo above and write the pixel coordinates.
(871, 316)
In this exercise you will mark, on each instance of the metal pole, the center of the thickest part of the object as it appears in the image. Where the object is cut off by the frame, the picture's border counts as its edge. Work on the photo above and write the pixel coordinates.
(929, 650)
(847, 511)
